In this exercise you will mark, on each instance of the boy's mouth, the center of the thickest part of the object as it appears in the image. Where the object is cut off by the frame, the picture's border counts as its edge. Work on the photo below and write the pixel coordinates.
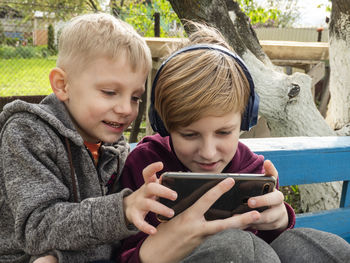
(113, 124)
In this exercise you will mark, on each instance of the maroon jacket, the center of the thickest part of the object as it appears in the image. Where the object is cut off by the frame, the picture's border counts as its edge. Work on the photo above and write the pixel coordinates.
(156, 148)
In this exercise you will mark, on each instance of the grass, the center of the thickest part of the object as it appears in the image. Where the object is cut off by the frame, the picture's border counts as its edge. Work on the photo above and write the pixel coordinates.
(25, 76)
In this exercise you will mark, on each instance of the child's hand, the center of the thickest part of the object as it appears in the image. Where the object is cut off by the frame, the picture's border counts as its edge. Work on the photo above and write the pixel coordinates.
(179, 236)
(46, 259)
(276, 216)
(143, 200)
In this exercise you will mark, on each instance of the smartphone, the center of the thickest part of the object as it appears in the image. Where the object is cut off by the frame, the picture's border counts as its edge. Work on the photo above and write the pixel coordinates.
(191, 186)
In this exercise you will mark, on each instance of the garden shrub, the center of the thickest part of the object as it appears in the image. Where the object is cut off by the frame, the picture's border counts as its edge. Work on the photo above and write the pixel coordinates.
(26, 52)
(8, 52)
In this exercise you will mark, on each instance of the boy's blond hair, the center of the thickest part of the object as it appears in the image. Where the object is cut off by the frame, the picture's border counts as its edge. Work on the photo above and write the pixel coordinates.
(200, 83)
(91, 36)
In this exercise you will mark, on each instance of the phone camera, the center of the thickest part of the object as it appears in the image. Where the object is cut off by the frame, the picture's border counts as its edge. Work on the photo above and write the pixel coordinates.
(266, 188)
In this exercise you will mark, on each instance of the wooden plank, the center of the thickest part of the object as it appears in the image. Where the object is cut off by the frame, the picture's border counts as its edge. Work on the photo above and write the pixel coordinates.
(160, 46)
(335, 221)
(317, 72)
(275, 50)
(293, 50)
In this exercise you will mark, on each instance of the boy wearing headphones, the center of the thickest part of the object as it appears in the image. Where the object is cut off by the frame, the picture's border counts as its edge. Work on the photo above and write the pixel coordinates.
(202, 96)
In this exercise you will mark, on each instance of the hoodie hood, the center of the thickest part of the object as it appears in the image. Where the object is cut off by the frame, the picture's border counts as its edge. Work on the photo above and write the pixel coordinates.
(52, 111)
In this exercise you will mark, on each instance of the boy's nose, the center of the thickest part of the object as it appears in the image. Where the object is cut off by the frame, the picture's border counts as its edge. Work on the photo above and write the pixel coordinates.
(207, 149)
(123, 107)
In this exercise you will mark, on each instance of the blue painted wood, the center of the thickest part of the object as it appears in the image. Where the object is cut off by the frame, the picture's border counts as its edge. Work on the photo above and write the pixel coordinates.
(335, 221)
(345, 197)
(305, 160)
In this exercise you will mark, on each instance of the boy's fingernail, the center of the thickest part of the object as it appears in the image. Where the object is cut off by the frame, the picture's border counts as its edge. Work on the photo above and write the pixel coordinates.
(171, 213)
(228, 181)
(174, 196)
(253, 202)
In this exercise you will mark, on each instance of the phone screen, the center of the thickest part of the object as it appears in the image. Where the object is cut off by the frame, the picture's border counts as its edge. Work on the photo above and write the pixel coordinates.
(191, 186)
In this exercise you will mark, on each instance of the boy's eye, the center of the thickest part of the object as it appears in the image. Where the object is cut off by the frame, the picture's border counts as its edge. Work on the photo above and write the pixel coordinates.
(108, 92)
(188, 135)
(224, 132)
(136, 99)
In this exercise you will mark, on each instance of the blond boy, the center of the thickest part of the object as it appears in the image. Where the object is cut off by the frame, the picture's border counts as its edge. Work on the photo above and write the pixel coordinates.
(58, 158)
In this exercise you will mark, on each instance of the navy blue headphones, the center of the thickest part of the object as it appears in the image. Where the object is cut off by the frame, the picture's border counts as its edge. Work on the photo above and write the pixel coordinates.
(250, 116)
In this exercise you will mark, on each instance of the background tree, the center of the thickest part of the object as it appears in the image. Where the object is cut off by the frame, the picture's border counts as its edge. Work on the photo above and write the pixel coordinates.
(51, 40)
(338, 114)
(2, 34)
(286, 101)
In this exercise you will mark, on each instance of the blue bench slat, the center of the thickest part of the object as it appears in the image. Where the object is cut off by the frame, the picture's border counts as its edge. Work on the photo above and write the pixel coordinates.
(345, 196)
(304, 160)
(335, 221)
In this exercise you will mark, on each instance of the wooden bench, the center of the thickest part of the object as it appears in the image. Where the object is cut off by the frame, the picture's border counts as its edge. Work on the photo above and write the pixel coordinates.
(306, 160)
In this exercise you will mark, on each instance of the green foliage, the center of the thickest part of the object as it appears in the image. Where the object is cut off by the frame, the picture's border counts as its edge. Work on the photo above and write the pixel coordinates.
(257, 14)
(292, 197)
(51, 40)
(25, 52)
(62, 9)
(274, 13)
(8, 52)
(11, 41)
(328, 6)
(141, 16)
(2, 34)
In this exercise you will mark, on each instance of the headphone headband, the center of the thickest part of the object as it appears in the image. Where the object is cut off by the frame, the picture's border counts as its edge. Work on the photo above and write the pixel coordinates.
(250, 116)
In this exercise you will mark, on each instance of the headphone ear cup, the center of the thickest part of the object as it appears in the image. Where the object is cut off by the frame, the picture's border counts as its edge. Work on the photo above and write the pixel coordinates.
(250, 115)
(156, 122)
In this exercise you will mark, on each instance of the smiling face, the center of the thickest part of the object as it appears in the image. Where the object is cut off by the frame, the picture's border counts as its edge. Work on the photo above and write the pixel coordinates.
(104, 98)
(208, 144)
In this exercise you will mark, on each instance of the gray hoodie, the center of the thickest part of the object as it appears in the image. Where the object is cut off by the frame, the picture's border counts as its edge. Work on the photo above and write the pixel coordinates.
(50, 203)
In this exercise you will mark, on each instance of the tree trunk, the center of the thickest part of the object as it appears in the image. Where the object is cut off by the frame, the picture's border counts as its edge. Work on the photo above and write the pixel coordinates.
(338, 114)
(286, 101)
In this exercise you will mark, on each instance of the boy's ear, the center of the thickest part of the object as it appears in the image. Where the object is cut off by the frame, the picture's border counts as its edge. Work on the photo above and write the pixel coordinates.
(58, 80)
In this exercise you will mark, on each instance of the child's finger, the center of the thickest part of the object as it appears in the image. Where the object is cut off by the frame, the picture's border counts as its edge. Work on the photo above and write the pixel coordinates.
(143, 226)
(154, 189)
(241, 221)
(209, 198)
(149, 173)
(158, 208)
(271, 199)
(270, 169)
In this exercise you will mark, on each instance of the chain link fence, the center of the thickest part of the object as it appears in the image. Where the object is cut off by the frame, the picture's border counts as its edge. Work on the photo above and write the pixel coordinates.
(27, 54)
(28, 47)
